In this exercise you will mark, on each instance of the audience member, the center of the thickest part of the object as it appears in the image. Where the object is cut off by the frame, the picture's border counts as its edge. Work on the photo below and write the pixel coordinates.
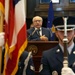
(31, 26)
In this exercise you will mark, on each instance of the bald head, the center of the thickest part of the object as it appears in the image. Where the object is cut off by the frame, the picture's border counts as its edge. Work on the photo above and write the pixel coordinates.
(37, 21)
(37, 18)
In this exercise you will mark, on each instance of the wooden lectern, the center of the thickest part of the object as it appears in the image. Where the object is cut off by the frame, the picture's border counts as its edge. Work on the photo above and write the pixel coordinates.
(37, 47)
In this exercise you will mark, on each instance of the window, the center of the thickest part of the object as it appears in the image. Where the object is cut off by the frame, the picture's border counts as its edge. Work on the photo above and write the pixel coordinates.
(72, 1)
(47, 1)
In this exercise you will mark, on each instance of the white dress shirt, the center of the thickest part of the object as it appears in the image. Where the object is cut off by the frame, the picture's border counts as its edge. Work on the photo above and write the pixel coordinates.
(69, 48)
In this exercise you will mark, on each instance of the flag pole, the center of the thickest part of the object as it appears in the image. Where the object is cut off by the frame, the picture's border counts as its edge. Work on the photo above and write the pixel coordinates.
(1, 29)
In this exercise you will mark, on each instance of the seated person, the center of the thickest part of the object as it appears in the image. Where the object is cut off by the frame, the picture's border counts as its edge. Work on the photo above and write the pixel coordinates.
(31, 26)
(25, 64)
(37, 32)
(52, 59)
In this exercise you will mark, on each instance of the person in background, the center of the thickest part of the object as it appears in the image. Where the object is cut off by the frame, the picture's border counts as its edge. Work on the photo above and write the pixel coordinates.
(52, 59)
(31, 26)
(37, 32)
(25, 65)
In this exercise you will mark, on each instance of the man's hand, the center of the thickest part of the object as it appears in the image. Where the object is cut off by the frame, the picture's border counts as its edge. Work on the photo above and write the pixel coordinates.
(2, 38)
(67, 71)
(44, 38)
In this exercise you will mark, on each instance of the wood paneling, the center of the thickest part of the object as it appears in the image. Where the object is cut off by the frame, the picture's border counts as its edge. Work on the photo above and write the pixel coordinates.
(64, 8)
(37, 47)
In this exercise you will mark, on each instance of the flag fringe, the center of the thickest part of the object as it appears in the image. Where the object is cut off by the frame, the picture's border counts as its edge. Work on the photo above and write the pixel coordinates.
(19, 54)
(2, 8)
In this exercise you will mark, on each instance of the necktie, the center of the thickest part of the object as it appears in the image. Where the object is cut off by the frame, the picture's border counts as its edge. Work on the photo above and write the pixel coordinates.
(38, 32)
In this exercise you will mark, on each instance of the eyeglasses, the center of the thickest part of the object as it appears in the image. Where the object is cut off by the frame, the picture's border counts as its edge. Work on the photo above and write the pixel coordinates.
(38, 21)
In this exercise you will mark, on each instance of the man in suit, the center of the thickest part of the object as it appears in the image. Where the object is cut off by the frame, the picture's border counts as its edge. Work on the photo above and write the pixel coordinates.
(37, 32)
(25, 64)
(52, 59)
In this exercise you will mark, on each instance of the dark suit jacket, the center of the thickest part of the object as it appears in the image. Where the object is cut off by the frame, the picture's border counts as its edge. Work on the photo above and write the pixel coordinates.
(52, 60)
(35, 36)
(29, 71)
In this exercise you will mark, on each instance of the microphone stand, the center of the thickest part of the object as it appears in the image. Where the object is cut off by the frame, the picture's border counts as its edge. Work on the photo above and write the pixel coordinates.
(65, 41)
(32, 33)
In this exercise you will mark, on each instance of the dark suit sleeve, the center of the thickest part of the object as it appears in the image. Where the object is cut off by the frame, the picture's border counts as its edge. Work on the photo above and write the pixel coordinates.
(44, 67)
(34, 37)
(37, 38)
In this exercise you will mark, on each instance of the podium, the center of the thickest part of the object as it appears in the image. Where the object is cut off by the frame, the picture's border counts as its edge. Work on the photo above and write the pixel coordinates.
(37, 47)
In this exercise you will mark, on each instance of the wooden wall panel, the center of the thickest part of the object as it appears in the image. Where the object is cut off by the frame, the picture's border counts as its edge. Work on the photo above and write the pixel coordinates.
(35, 8)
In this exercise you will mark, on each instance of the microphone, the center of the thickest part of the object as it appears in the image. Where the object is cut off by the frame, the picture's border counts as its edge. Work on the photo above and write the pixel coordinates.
(32, 33)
